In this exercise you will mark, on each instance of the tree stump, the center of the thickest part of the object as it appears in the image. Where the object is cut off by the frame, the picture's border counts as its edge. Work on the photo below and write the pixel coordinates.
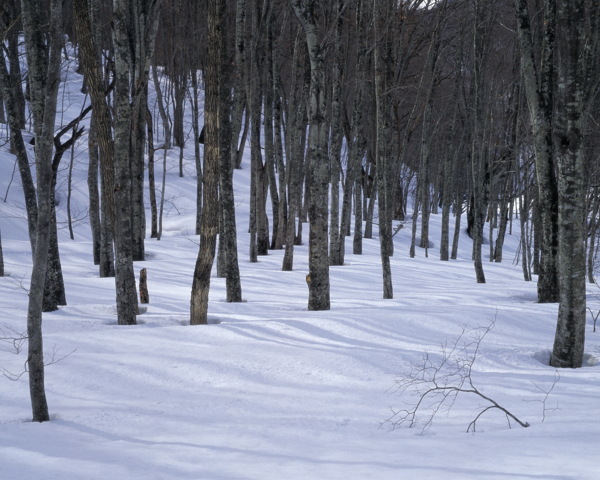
(144, 296)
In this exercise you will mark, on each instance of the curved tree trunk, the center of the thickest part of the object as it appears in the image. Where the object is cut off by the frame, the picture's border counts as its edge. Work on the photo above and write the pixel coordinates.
(43, 58)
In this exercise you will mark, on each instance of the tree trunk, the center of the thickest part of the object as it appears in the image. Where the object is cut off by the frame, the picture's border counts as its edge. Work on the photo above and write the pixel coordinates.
(18, 145)
(228, 237)
(9, 26)
(539, 91)
(296, 131)
(126, 292)
(93, 192)
(43, 58)
(197, 157)
(151, 177)
(335, 239)
(143, 18)
(269, 134)
(318, 284)
(89, 53)
(213, 112)
(592, 235)
(569, 340)
(144, 295)
(355, 147)
(138, 148)
(381, 61)
(166, 120)
(479, 155)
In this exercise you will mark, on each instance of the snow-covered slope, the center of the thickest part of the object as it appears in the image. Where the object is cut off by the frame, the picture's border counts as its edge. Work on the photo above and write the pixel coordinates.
(270, 390)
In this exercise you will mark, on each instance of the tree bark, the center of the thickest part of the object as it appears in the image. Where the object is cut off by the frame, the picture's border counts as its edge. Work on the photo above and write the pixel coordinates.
(336, 140)
(296, 132)
(214, 109)
(91, 63)
(479, 155)
(18, 145)
(126, 292)
(318, 277)
(43, 58)
(381, 63)
(93, 192)
(228, 237)
(569, 340)
(151, 177)
(539, 91)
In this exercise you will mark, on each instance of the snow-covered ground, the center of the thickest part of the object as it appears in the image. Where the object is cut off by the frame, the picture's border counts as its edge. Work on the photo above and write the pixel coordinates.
(270, 390)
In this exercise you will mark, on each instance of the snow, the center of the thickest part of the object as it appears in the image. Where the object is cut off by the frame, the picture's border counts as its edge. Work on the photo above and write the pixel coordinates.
(270, 390)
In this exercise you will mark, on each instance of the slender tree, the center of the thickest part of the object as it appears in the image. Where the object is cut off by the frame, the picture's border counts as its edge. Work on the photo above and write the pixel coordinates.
(318, 277)
(228, 230)
(336, 137)
(102, 135)
(213, 114)
(382, 69)
(43, 49)
(539, 89)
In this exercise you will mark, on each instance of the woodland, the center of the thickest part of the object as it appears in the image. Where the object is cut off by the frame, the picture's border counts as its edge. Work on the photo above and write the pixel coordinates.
(359, 115)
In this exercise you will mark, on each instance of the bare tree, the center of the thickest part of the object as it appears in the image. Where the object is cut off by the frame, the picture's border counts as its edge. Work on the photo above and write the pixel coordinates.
(438, 382)
(382, 53)
(335, 147)
(569, 340)
(14, 100)
(44, 61)
(86, 23)
(228, 233)
(318, 277)
(295, 139)
(214, 113)
(539, 89)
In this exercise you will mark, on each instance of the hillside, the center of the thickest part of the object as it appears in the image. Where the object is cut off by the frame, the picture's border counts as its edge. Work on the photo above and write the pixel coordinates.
(270, 390)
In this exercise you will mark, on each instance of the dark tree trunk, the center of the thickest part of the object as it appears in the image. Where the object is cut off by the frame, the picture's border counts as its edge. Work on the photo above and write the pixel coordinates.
(228, 236)
(214, 110)
(9, 26)
(538, 85)
(93, 191)
(138, 147)
(90, 58)
(335, 149)
(295, 134)
(151, 177)
(382, 68)
(197, 143)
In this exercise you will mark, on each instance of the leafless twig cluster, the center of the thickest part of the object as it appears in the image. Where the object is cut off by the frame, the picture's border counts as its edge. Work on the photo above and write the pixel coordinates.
(436, 382)
(12, 341)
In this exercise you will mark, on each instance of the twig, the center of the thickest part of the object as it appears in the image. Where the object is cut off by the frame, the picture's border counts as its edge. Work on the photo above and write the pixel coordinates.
(437, 384)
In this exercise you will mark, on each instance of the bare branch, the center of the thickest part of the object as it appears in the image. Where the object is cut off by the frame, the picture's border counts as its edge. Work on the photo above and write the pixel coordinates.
(437, 383)
(547, 394)
(13, 342)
